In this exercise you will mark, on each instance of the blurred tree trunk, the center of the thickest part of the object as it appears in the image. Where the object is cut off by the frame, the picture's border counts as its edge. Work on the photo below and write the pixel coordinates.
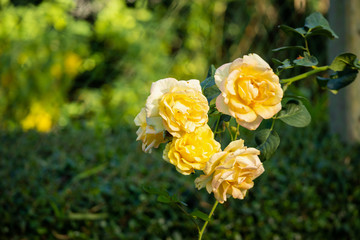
(344, 18)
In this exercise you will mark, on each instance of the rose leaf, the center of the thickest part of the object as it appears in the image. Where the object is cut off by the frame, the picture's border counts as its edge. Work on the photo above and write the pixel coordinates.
(343, 61)
(318, 25)
(306, 61)
(268, 141)
(295, 114)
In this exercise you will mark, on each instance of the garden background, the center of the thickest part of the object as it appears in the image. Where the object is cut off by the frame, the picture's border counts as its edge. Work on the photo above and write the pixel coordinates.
(73, 76)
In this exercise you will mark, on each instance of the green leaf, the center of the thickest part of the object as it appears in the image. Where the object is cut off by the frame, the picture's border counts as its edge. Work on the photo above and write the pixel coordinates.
(357, 64)
(301, 98)
(322, 81)
(286, 64)
(338, 80)
(289, 47)
(208, 86)
(211, 71)
(87, 216)
(318, 25)
(343, 61)
(210, 80)
(295, 114)
(306, 61)
(341, 79)
(199, 214)
(164, 199)
(267, 141)
(90, 172)
(211, 93)
(287, 29)
(155, 191)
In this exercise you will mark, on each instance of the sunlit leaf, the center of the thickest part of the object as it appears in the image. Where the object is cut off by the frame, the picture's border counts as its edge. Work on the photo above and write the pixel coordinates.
(267, 141)
(343, 61)
(295, 114)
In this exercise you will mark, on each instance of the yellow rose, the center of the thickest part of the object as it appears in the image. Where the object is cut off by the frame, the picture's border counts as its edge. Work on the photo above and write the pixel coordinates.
(176, 106)
(147, 134)
(250, 90)
(192, 150)
(231, 172)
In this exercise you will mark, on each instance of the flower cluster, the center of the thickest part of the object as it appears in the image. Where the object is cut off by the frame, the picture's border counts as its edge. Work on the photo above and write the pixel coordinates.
(177, 112)
(180, 109)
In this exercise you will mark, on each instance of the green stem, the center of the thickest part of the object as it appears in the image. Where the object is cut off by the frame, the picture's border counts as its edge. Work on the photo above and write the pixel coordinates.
(288, 81)
(189, 215)
(307, 46)
(273, 123)
(237, 130)
(206, 223)
(217, 124)
(229, 130)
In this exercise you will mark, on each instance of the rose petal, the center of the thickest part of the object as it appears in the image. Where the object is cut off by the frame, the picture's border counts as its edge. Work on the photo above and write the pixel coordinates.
(221, 75)
(221, 106)
(267, 112)
(156, 123)
(255, 60)
(250, 125)
(158, 89)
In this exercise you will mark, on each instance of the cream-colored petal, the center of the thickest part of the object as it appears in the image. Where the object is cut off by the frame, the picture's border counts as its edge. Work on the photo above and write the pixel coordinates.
(255, 60)
(250, 125)
(140, 119)
(156, 123)
(202, 180)
(251, 151)
(248, 117)
(221, 106)
(238, 144)
(192, 83)
(213, 162)
(236, 64)
(221, 75)
(158, 89)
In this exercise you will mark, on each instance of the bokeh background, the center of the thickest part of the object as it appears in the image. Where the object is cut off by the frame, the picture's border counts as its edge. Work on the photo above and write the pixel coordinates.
(74, 74)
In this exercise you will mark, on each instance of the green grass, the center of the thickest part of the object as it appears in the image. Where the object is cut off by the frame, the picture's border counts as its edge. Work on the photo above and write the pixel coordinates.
(85, 184)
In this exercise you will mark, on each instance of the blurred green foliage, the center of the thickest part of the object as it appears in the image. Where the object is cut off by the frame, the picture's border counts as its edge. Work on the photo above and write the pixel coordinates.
(65, 60)
(86, 184)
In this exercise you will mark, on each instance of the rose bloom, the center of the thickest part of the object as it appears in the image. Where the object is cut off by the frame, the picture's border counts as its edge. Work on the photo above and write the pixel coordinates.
(176, 106)
(147, 134)
(192, 150)
(250, 90)
(231, 172)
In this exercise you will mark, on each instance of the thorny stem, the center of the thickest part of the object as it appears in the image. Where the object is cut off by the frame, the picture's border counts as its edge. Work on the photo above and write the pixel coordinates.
(206, 223)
